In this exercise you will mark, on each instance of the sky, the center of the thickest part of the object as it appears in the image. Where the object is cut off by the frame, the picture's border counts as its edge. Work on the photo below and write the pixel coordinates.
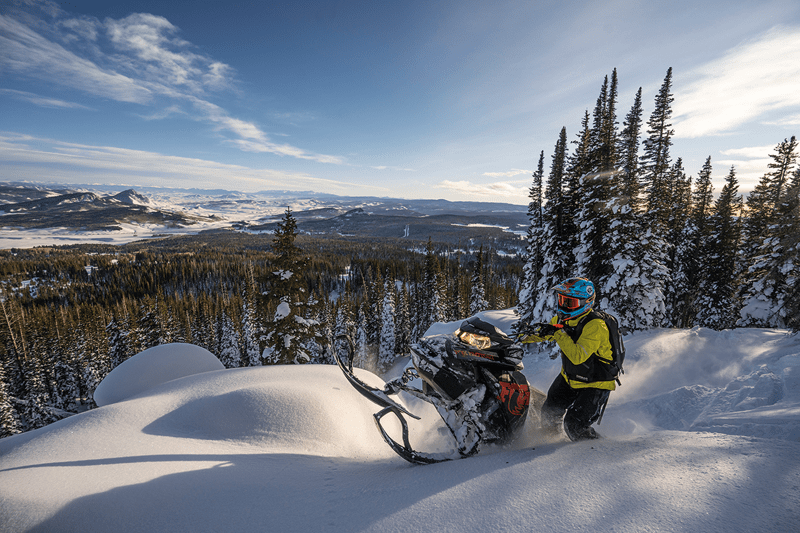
(414, 99)
(179, 444)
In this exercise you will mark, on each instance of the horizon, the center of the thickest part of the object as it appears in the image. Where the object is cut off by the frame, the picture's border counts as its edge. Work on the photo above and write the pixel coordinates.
(450, 101)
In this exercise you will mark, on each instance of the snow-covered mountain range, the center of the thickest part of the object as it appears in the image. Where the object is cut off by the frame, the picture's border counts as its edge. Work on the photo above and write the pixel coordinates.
(33, 214)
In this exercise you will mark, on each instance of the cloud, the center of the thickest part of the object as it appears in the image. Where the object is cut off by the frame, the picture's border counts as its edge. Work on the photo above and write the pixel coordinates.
(792, 120)
(752, 79)
(508, 174)
(25, 157)
(42, 101)
(138, 59)
(750, 152)
(508, 191)
(25, 52)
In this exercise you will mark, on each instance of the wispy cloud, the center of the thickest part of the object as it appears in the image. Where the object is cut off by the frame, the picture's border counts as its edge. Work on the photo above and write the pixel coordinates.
(398, 169)
(501, 190)
(751, 80)
(139, 59)
(508, 174)
(792, 120)
(26, 157)
(42, 101)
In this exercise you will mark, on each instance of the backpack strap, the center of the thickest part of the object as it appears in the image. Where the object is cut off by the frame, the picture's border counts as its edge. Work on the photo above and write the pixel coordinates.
(576, 331)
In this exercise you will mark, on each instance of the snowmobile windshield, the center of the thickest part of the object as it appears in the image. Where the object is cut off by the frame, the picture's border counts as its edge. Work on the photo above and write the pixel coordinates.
(482, 342)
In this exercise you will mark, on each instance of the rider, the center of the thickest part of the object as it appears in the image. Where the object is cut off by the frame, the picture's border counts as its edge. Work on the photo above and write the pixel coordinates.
(580, 391)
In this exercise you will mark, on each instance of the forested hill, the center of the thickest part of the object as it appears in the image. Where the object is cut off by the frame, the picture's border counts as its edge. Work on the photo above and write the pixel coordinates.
(77, 312)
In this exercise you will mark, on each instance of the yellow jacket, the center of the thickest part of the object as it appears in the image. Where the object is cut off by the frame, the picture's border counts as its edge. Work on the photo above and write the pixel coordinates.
(584, 360)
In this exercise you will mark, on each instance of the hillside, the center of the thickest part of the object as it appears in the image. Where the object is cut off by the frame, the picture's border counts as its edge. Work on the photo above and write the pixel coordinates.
(36, 215)
(293, 448)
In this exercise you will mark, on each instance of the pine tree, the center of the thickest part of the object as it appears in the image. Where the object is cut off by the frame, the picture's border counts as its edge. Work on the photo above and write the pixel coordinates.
(37, 411)
(690, 263)
(229, 354)
(789, 232)
(288, 329)
(771, 284)
(595, 215)
(655, 162)
(477, 299)
(251, 323)
(403, 322)
(9, 419)
(625, 289)
(433, 307)
(718, 305)
(557, 252)
(533, 251)
(388, 340)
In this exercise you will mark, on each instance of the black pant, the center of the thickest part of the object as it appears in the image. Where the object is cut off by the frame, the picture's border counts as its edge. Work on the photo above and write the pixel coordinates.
(580, 408)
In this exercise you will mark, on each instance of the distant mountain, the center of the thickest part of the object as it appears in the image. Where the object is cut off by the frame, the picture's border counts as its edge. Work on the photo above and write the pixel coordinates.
(132, 197)
(82, 211)
(37, 206)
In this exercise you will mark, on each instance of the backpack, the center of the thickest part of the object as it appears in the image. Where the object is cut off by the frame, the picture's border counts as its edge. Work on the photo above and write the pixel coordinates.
(617, 346)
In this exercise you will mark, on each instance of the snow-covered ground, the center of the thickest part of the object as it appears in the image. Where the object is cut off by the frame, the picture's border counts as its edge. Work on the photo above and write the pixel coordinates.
(703, 436)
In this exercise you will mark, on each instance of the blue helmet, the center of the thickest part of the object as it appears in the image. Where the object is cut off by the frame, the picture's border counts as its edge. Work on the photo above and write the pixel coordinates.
(575, 297)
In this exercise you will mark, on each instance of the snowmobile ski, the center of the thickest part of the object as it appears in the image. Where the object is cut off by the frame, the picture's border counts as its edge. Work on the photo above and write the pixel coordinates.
(404, 450)
(373, 394)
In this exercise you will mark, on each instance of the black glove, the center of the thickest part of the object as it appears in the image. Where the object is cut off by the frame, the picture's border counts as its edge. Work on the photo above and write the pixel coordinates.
(541, 329)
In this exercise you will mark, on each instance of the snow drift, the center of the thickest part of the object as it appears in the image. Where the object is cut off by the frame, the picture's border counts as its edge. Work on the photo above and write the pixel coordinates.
(294, 448)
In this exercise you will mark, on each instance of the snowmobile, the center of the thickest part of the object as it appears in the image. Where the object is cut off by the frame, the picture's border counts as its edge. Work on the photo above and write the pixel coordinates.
(472, 377)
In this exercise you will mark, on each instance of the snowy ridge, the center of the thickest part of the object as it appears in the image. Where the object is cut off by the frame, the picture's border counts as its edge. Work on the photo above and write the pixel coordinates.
(294, 448)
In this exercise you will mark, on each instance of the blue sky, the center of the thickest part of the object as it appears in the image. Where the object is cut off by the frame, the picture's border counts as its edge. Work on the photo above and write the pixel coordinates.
(406, 99)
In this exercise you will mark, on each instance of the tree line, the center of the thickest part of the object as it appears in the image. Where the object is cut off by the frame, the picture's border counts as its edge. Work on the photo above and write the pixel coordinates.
(661, 250)
(71, 315)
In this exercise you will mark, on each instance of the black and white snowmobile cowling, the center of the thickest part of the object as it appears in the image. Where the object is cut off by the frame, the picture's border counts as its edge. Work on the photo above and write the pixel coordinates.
(472, 377)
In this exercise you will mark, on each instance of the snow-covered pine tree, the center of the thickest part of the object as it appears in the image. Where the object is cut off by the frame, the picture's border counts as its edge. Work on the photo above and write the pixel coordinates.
(117, 343)
(388, 340)
(790, 246)
(432, 290)
(692, 251)
(366, 355)
(557, 235)
(251, 322)
(680, 235)
(655, 175)
(533, 249)
(624, 289)
(655, 161)
(771, 282)
(717, 303)
(375, 292)
(598, 180)
(36, 411)
(402, 322)
(288, 329)
(229, 354)
(477, 298)
(148, 329)
(9, 419)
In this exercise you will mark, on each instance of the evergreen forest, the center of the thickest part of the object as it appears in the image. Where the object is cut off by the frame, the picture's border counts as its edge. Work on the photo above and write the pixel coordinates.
(614, 205)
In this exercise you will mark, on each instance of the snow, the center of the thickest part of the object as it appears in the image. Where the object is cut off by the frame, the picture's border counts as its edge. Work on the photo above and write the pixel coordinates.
(283, 310)
(702, 436)
(153, 367)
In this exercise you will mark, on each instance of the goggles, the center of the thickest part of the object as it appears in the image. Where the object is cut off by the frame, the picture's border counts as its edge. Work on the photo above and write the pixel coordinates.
(568, 302)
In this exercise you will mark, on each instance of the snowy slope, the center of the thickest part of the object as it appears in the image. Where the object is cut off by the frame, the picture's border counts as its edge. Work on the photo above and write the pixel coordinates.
(701, 437)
